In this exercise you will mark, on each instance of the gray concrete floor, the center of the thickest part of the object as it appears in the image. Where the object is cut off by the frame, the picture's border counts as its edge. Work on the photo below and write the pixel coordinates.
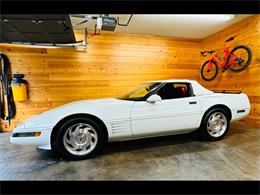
(181, 157)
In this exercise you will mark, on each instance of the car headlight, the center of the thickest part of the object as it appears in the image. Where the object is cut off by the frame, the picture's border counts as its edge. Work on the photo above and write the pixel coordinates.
(27, 134)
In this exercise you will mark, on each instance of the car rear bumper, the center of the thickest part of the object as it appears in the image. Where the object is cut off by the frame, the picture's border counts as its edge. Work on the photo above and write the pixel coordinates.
(238, 114)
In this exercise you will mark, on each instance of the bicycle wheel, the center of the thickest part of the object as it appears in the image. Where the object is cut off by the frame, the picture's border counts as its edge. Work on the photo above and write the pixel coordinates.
(209, 75)
(244, 57)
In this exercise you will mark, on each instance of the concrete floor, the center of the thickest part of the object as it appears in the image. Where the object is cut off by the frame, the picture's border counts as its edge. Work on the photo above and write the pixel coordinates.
(181, 157)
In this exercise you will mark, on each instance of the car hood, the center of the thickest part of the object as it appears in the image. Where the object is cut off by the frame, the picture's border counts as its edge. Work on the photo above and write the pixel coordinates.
(85, 102)
(51, 116)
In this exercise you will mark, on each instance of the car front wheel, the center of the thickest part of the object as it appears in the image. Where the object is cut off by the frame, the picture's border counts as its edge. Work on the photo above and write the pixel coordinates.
(80, 138)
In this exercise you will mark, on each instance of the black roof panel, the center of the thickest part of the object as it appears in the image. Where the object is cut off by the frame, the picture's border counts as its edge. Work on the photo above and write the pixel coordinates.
(36, 28)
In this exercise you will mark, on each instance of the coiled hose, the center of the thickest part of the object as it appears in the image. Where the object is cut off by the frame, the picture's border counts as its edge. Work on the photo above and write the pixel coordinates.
(6, 95)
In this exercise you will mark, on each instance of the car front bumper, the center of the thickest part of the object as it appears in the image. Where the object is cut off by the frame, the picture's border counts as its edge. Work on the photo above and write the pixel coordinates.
(30, 136)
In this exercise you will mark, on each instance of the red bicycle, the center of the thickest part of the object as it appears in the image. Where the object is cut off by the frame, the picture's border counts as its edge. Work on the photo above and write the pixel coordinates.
(236, 61)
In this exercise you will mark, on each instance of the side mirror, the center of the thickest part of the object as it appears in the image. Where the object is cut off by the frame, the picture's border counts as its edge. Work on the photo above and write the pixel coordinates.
(154, 98)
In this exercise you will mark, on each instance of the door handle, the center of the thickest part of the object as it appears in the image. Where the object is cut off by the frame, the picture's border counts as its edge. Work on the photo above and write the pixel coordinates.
(194, 102)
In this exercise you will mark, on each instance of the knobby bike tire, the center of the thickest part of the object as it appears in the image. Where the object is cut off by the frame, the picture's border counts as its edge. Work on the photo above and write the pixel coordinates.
(249, 52)
(215, 74)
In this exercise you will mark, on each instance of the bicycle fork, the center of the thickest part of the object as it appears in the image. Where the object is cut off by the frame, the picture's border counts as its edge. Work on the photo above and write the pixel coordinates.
(209, 66)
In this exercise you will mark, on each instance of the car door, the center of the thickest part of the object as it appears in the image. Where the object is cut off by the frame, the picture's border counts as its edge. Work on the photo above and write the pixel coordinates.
(178, 114)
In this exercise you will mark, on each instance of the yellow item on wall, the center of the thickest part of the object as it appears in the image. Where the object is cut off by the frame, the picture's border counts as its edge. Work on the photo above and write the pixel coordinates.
(19, 92)
(19, 89)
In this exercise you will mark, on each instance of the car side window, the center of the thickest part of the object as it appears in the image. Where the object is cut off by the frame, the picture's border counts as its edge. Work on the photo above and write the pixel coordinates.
(174, 90)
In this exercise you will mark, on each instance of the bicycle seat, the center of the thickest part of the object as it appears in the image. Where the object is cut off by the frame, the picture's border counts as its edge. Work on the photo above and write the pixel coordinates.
(230, 39)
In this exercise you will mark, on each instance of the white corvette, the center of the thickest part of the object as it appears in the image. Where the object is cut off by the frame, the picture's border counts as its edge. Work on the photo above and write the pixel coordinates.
(80, 129)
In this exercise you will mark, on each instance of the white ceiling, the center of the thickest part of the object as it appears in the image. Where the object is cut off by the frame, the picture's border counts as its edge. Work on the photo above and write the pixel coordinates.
(191, 26)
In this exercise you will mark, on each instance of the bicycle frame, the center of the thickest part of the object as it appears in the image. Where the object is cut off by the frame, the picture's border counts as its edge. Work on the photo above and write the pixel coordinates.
(227, 62)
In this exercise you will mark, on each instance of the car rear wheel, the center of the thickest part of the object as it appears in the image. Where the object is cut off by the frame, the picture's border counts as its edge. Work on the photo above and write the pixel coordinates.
(80, 138)
(215, 124)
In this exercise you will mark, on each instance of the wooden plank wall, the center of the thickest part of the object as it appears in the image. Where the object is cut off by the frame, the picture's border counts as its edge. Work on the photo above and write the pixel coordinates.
(248, 32)
(111, 65)
(114, 63)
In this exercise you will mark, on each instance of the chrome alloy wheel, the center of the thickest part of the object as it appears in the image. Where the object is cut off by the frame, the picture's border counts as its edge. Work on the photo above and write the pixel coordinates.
(80, 139)
(217, 124)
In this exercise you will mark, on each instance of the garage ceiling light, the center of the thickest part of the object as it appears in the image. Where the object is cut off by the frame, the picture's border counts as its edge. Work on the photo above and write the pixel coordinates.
(203, 17)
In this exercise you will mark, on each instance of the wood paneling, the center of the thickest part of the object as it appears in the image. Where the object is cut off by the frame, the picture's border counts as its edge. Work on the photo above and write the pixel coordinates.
(111, 65)
(248, 32)
(115, 63)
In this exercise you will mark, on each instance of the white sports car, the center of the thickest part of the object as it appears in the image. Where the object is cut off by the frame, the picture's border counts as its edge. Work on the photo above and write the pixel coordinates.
(80, 129)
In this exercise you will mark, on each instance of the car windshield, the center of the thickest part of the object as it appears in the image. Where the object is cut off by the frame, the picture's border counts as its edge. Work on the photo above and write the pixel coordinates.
(140, 92)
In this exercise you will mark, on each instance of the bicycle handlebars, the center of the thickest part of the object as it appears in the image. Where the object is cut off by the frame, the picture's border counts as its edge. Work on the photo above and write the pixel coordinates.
(205, 52)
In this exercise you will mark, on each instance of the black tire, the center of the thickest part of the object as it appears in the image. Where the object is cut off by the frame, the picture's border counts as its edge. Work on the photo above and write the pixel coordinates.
(204, 132)
(249, 53)
(101, 138)
(214, 64)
